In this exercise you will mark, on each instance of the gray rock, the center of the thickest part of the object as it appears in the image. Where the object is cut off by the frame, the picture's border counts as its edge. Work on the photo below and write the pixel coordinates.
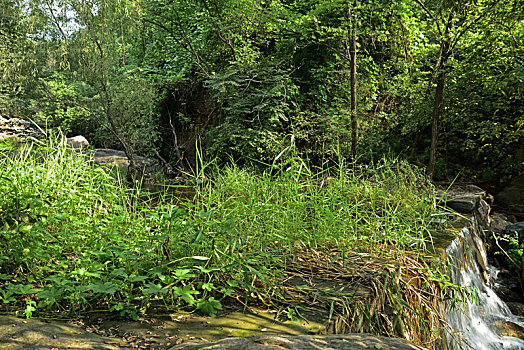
(77, 142)
(19, 128)
(482, 212)
(466, 199)
(463, 204)
(319, 342)
(499, 222)
(507, 295)
(32, 334)
(113, 158)
(516, 309)
(512, 196)
(518, 228)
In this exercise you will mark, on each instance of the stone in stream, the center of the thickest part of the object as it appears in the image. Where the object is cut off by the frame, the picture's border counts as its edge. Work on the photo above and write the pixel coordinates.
(499, 222)
(318, 342)
(516, 309)
(508, 329)
(467, 199)
(32, 334)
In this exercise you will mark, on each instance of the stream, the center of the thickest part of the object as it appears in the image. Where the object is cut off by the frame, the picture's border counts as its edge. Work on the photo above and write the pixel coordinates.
(477, 319)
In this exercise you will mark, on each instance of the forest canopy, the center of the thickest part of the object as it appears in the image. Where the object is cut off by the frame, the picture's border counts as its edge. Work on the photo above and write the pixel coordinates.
(437, 82)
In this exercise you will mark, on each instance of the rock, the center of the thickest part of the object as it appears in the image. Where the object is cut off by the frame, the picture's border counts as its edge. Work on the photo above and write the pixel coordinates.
(19, 128)
(482, 212)
(507, 295)
(32, 334)
(463, 204)
(499, 222)
(466, 199)
(319, 342)
(508, 329)
(77, 142)
(518, 228)
(516, 309)
(512, 196)
(114, 158)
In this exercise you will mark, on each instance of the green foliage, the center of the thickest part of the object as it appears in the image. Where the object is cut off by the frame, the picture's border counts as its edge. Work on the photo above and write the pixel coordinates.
(515, 252)
(257, 102)
(76, 238)
(66, 104)
(245, 74)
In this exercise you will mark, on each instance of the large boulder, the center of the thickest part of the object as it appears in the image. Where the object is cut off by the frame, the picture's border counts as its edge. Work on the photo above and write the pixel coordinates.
(467, 199)
(145, 167)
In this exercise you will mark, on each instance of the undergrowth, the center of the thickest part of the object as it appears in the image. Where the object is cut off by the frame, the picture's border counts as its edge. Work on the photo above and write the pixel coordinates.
(73, 239)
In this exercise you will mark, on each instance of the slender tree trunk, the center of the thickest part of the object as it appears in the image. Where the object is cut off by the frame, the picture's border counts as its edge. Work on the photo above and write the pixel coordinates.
(440, 73)
(353, 81)
(437, 110)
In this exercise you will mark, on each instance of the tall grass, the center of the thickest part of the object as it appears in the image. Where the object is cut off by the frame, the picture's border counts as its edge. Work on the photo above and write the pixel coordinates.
(73, 238)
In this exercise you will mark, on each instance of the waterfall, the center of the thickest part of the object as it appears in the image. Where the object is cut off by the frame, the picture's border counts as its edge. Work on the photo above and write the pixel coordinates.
(473, 319)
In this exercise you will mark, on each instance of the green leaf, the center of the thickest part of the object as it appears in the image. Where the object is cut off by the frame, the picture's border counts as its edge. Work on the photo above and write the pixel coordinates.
(105, 288)
(22, 289)
(184, 274)
(208, 286)
(209, 307)
(186, 294)
(151, 288)
(137, 278)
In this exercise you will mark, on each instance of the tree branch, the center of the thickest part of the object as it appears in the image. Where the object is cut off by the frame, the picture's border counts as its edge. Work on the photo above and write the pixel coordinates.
(430, 15)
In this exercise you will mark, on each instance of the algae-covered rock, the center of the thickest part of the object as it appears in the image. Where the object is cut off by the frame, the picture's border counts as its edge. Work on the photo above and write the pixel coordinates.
(508, 329)
(32, 334)
(318, 342)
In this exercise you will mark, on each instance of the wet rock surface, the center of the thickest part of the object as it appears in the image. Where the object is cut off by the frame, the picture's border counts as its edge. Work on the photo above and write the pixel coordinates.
(508, 329)
(507, 295)
(319, 342)
(237, 331)
(19, 334)
(516, 308)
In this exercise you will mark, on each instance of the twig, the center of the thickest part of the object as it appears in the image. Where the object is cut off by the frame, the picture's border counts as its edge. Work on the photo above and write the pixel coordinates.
(498, 245)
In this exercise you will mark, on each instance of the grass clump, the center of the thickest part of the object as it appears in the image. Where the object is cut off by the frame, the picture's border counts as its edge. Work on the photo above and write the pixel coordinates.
(349, 242)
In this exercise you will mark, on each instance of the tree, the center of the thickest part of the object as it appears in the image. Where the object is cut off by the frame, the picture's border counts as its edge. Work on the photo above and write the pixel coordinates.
(351, 50)
(452, 20)
(99, 50)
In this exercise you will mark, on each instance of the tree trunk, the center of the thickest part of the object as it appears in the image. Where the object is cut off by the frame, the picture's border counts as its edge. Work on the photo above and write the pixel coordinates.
(440, 73)
(353, 81)
(437, 110)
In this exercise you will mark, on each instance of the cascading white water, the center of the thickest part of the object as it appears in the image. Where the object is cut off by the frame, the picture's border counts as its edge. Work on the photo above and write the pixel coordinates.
(472, 321)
